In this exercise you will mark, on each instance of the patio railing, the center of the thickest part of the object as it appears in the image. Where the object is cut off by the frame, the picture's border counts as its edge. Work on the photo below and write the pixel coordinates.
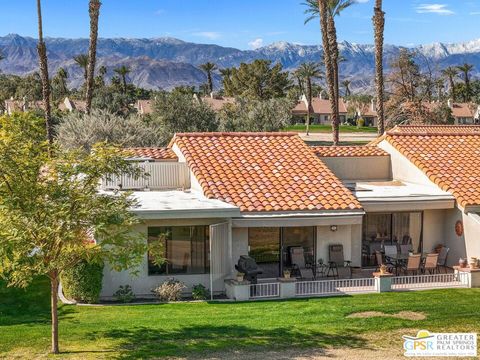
(429, 281)
(330, 287)
(264, 290)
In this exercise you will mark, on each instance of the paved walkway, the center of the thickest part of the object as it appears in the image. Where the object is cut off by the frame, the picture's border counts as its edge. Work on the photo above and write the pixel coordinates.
(344, 137)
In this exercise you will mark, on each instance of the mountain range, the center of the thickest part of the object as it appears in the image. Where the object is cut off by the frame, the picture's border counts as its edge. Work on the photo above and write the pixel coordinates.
(163, 63)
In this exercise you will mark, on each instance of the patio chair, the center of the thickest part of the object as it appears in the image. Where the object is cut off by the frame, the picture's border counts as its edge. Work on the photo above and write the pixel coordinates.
(413, 264)
(381, 260)
(442, 258)
(405, 249)
(431, 263)
(337, 261)
(391, 250)
(297, 258)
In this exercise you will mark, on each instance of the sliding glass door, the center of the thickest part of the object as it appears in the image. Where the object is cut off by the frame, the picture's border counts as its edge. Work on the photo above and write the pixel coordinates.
(271, 247)
(403, 229)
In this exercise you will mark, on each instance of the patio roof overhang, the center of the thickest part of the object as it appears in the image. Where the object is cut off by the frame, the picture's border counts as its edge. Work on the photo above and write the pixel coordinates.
(400, 196)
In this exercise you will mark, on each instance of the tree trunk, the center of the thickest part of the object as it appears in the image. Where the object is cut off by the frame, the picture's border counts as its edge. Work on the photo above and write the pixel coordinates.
(94, 11)
(124, 80)
(452, 89)
(54, 310)
(210, 82)
(43, 62)
(323, 7)
(309, 101)
(332, 38)
(379, 26)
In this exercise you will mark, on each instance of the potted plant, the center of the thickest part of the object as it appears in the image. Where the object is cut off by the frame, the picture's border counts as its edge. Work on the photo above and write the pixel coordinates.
(240, 276)
(473, 263)
(383, 269)
(462, 263)
(286, 274)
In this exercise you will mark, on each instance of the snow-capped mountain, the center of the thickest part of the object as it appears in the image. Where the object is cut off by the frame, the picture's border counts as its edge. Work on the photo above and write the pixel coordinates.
(168, 62)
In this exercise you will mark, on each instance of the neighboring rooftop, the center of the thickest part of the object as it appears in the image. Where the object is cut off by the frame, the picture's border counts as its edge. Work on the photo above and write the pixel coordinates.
(348, 151)
(160, 153)
(448, 155)
(217, 103)
(261, 172)
(319, 106)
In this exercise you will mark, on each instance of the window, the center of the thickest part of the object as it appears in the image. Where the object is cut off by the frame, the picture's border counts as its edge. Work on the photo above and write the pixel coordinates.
(185, 249)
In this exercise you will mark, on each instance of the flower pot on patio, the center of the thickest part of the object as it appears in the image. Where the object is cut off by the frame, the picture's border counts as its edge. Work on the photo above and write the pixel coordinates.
(286, 274)
(240, 277)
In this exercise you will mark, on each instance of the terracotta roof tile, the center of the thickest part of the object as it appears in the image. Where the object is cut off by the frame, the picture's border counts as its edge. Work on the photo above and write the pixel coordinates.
(348, 151)
(263, 172)
(218, 103)
(448, 155)
(319, 106)
(154, 153)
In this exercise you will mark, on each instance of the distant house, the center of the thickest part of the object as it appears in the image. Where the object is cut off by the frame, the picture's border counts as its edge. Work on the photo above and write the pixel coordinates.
(144, 107)
(72, 105)
(216, 102)
(368, 112)
(321, 112)
(464, 113)
(12, 106)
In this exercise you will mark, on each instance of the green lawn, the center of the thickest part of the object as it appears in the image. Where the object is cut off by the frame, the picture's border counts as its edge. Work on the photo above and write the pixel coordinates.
(188, 329)
(328, 128)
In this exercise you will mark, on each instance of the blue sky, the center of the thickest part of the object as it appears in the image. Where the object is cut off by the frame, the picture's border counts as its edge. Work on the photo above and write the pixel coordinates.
(246, 23)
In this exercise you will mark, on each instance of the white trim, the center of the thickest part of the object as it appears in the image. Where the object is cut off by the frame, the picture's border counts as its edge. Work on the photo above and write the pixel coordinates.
(291, 222)
(301, 214)
(396, 204)
(187, 214)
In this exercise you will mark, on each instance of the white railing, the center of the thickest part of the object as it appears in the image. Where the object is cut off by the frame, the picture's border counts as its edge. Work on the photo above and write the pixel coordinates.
(329, 287)
(429, 281)
(158, 176)
(265, 290)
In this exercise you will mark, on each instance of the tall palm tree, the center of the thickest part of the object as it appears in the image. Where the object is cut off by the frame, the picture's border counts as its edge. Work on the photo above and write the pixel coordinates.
(94, 12)
(227, 80)
(346, 84)
(123, 71)
(209, 68)
(82, 62)
(465, 69)
(379, 27)
(327, 10)
(450, 73)
(43, 62)
(61, 80)
(307, 72)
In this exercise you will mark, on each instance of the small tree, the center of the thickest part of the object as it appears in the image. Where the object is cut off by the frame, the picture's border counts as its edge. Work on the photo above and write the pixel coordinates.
(51, 210)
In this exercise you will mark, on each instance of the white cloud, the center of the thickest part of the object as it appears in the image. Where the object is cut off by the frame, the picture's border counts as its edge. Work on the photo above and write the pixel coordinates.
(255, 44)
(475, 13)
(211, 35)
(362, 1)
(440, 9)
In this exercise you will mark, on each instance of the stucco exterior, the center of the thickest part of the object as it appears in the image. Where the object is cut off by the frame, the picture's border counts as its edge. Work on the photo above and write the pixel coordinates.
(360, 168)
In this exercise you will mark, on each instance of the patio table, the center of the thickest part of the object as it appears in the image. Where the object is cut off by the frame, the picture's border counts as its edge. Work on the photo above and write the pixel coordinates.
(399, 259)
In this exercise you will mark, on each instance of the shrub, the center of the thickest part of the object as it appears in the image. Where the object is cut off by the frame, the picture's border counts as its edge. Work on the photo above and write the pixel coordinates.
(360, 123)
(124, 294)
(200, 292)
(170, 290)
(83, 282)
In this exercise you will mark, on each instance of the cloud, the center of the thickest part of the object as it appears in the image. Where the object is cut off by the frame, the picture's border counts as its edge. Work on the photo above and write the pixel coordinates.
(362, 1)
(255, 44)
(440, 9)
(211, 35)
(475, 13)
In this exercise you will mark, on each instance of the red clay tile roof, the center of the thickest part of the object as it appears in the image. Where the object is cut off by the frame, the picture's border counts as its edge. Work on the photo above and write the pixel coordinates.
(319, 106)
(448, 155)
(263, 172)
(218, 103)
(154, 153)
(348, 151)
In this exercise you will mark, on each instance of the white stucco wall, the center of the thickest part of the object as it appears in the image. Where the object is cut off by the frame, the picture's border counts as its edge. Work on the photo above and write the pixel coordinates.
(471, 225)
(433, 228)
(360, 168)
(451, 239)
(142, 283)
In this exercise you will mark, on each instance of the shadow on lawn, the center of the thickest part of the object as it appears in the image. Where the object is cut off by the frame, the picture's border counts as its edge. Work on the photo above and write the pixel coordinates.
(144, 342)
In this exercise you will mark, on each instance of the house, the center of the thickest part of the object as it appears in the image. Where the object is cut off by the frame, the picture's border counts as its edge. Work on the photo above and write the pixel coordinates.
(464, 113)
(216, 102)
(320, 111)
(368, 112)
(144, 107)
(12, 106)
(72, 105)
(213, 197)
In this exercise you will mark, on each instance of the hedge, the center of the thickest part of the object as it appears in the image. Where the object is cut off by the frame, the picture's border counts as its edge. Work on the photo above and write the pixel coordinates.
(83, 282)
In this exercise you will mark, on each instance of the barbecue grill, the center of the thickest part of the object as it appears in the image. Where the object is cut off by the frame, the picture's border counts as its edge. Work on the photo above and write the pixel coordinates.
(249, 267)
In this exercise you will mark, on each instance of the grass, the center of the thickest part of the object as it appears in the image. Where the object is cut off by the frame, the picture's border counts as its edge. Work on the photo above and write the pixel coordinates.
(328, 128)
(193, 329)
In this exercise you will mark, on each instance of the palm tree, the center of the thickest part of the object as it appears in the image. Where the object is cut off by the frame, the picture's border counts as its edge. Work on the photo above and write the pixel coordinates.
(123, 71)
(450, 73)
(346, 85)
(94, 11)
(379, 27)
(82, 62)
(327, 10)
(227, 80)
(465, 69)
(307, 72)
(209, 68)
(61, 80)
(43, 62)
